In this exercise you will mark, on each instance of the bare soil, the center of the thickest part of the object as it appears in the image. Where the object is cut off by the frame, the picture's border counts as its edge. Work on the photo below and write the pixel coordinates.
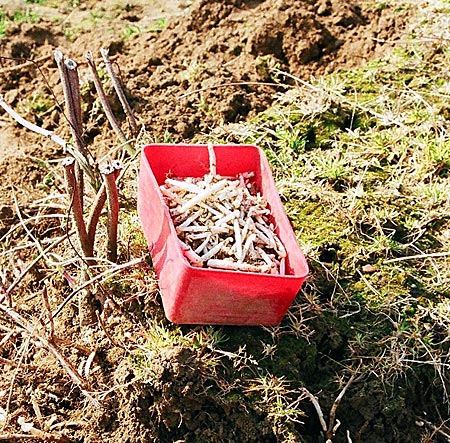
(210, 65)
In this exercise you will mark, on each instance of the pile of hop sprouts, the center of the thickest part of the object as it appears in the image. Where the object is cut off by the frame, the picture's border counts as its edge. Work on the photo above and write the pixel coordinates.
(224, 222)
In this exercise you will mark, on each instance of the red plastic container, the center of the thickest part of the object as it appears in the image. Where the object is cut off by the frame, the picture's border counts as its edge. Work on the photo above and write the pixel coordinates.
(212, 296)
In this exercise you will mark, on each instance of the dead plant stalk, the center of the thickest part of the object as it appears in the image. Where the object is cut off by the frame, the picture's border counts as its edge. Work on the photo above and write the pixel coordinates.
(99, 203)
(333, 423)
(100, 277)
(37, 436)
(104, 101)
(71, 88)
(31, 126)
(109, 174)
(29, 328)
(33, 263)
(119, 91)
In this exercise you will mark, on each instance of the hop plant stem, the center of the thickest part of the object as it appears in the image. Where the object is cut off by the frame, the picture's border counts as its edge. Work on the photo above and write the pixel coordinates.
(102, 96)
(119, 91)
(72, 188)
(109, 174)
(71, 88)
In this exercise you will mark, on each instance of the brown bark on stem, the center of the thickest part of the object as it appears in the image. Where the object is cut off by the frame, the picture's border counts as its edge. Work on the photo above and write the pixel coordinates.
(86, 246)
(119, 91)
(71, 89)
(102, 96)
(109, 174)
(98, 204)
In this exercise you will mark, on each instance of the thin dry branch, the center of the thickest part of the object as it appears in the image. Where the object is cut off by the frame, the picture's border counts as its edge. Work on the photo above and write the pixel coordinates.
(33, 263)
(341, 98)
(119, 91)
(106, 274)
(81, 159)
(315, 402)
(442, 430)
(24, 347)
(104, 101)
(101, 322)
(418, 257)
(48, 310)
(232, 84)
(332, 419)
(25, 65)
(31, 126)
(52, 348)
(9, 437)
(333, 423)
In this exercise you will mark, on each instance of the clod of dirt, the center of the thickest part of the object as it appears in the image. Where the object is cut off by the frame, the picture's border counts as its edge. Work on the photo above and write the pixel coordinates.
(178, 402)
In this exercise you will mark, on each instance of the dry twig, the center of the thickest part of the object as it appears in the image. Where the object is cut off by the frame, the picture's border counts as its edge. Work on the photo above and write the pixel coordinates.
(119, 91)
(417, 257)
(33, 263)
(332, 427)
(52, 348)
(48, 310)
(442, 430)
(106, 274)
(333, 423)
(101, 321)
(31, 126)
(81, 159)
(25, 65)
(104, 101)
(9, 437)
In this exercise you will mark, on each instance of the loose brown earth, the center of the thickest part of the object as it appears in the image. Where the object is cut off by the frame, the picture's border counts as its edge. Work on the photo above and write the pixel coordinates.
(209, 67)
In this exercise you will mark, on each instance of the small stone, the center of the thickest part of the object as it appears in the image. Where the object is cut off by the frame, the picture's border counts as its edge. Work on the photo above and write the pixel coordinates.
(369, 269)
(323, 8)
